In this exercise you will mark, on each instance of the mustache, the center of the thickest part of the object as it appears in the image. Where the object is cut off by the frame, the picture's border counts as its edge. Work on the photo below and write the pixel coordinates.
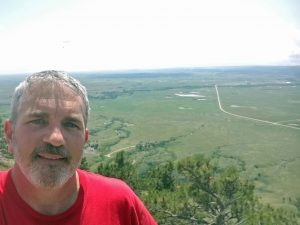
(50, 149)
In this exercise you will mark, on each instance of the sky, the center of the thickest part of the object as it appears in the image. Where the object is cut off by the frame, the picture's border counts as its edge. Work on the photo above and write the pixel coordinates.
(85, 35)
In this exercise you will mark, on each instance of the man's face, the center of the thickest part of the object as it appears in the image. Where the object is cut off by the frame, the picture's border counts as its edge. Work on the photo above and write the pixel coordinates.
(48, 136)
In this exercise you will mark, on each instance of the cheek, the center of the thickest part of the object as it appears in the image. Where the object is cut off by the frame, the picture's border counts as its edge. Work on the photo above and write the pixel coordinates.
(75, 145)
(21, 146)
(24, 138)
(76, 154)
(21, 151)
(25, 142)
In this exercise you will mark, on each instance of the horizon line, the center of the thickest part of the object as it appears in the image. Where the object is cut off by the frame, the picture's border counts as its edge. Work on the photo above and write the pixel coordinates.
(136, 70)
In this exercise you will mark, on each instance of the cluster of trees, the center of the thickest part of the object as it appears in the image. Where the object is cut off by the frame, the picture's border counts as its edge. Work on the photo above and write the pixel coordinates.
(2, 139)
(146, 146)
(196, 190)
(5, 156)
(110, 94)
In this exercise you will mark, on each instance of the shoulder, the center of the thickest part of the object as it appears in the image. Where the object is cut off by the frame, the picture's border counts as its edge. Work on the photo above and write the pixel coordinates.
(98, 182)
(113, 198)
(109, 191)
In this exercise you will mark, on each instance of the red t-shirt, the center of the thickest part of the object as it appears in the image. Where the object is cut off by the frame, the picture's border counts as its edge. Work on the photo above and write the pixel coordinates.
(101, 201)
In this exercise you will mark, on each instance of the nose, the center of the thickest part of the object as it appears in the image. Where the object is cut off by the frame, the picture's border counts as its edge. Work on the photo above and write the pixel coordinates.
(54, 136)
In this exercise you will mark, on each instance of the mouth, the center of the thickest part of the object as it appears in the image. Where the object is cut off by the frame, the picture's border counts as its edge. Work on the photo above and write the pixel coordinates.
(48, 156)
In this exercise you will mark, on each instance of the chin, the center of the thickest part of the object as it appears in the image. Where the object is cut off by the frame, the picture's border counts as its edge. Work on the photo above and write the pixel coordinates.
(48, 176)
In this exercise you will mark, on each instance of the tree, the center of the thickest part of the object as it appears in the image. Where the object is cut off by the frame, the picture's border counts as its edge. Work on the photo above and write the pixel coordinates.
(208, 194)
(195, 191)
(120, 168)
(2, 140)
(162, 178)
(84, 165)
(6, 158)
(3, 145)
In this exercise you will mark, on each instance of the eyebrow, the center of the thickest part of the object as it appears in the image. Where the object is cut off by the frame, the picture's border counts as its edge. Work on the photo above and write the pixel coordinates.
(72, 119)
(38, 114)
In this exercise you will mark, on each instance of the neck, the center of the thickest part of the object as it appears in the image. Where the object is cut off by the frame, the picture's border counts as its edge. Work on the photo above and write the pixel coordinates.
(47, 201)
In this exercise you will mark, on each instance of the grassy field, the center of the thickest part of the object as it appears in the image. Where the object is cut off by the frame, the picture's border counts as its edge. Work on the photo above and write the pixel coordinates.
(177, 113)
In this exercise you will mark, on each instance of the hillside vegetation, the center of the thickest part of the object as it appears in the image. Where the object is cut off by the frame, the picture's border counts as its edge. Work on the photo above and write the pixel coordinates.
(196, 190)
(162, 119)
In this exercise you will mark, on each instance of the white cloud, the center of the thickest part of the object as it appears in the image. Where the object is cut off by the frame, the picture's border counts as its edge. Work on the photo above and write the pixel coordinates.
(119, 34)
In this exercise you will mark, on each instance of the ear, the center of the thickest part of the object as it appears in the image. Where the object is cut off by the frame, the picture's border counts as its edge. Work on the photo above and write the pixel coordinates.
(86, 135)
(8, 131)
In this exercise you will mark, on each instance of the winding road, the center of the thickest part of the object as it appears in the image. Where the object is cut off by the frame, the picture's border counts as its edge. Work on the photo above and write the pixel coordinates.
(224, 111)
(249, 118)
(118, 150)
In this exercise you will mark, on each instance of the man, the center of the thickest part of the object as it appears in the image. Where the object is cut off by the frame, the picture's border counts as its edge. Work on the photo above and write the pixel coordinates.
(46, 134)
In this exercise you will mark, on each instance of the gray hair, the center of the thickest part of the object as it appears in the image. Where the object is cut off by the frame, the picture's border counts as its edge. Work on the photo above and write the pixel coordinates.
(58, 77)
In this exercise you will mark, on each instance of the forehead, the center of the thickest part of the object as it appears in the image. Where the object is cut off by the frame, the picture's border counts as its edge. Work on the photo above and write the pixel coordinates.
(49, 96)
(49, 90)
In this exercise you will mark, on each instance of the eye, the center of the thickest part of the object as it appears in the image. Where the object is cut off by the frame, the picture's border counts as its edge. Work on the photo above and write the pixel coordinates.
(69, 124)
(38, 121)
